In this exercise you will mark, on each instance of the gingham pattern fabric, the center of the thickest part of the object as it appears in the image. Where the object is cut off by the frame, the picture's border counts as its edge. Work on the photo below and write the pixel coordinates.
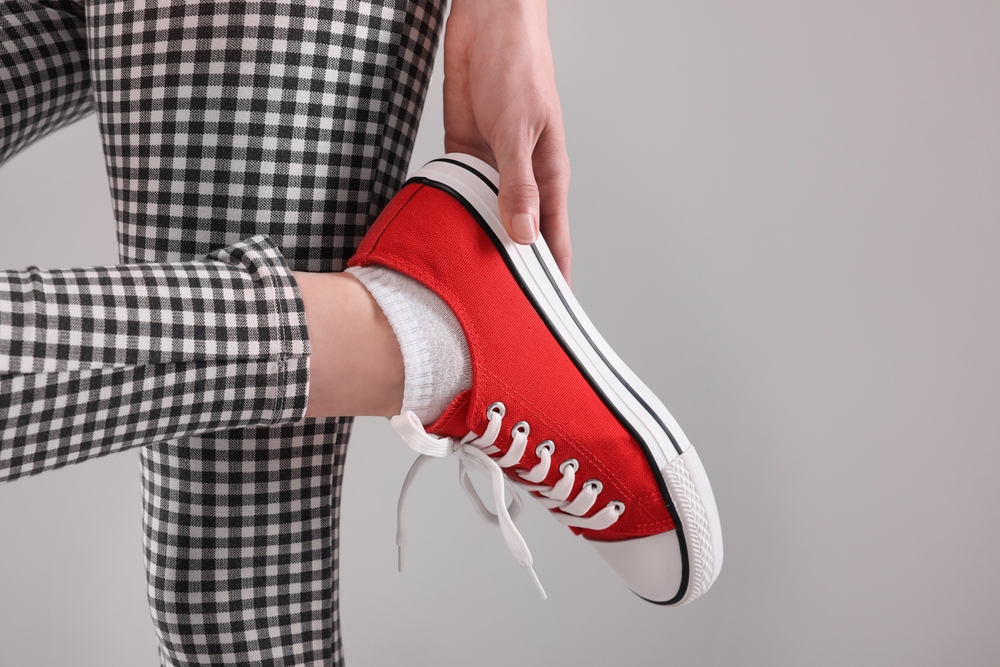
(97, 360)
(222, 120)
(292, 119)
(44, 71)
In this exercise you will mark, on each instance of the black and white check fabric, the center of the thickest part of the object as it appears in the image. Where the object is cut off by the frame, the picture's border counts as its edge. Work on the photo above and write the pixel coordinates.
(221, 121)
(44, 71)
(97, 360)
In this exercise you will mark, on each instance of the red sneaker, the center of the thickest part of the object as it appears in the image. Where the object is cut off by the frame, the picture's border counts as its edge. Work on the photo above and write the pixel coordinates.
(551, 404)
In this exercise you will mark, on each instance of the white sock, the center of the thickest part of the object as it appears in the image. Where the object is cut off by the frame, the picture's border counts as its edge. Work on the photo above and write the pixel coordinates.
(436, 363)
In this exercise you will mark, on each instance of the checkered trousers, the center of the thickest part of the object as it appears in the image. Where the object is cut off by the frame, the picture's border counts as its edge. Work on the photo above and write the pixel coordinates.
(97, 360)
(222, 120)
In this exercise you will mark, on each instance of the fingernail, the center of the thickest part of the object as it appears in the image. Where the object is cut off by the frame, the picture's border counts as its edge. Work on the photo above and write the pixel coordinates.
(524, 228)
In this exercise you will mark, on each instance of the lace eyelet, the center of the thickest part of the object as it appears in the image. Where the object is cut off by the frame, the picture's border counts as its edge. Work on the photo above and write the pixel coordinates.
(523, 427)
(618, 506)
(595, 484)
(569, 463)
(496, 407)
(545, 446)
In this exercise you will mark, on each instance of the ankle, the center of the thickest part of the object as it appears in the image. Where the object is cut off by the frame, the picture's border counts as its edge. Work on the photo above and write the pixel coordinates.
(356, 367)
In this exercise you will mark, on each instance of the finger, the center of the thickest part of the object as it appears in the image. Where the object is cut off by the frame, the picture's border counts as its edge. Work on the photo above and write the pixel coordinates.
(552, 174)
(518, 191)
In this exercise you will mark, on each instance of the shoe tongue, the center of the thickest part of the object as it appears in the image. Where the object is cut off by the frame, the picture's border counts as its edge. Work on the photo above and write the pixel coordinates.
(452, 421)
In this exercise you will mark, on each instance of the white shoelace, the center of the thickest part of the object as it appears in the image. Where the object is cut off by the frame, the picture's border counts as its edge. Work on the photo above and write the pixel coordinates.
(473, 452)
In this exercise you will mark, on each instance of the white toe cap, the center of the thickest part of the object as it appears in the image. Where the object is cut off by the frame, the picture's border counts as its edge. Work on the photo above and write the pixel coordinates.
(653, 566)
(650, 566)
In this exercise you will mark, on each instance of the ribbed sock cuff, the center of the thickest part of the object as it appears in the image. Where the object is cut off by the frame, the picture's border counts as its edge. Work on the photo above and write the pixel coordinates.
(436, 362)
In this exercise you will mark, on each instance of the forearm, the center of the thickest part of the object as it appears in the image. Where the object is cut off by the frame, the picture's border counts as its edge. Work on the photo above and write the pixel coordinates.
(501, 105)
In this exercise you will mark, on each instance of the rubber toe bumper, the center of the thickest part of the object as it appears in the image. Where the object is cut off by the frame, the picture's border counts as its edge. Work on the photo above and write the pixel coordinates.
(653, 567)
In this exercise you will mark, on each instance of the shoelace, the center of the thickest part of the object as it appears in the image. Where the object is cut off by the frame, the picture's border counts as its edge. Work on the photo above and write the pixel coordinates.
(473, 452)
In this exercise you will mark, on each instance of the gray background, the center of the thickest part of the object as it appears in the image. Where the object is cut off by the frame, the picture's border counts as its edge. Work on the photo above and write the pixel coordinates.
(785, 219)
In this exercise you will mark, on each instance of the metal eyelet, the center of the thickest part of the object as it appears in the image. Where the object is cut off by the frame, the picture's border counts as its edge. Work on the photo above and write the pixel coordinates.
(545, 446)
(618, 506)
(569, 463)
(595, 484)
(522, 427)
(496, 407)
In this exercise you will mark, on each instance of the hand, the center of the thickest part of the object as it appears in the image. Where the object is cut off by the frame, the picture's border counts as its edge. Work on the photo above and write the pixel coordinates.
(501, 105)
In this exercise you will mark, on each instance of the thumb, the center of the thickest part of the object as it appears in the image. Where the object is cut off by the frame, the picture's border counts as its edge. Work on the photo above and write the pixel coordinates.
(518, 193)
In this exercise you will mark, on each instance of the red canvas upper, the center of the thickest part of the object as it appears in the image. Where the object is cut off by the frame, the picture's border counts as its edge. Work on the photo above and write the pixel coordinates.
(429, 236)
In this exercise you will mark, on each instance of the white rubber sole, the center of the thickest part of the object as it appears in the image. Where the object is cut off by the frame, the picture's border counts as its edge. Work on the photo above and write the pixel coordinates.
(683, 480)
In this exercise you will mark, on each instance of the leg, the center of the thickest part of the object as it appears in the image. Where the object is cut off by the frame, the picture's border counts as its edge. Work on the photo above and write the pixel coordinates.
(94, 361)
(222, 120)
(97, 360)
(44, 73)
(356, 365)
